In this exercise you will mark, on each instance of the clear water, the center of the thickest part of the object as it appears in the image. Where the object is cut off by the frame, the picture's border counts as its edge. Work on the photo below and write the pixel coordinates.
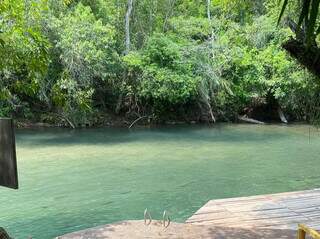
(70, 180)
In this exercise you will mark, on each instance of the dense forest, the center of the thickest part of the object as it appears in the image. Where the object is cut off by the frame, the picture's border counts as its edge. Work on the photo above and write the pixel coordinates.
(96, 62)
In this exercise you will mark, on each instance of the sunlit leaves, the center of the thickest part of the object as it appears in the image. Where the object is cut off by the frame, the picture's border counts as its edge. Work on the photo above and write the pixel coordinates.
(23, 50)
(191, 28)
(85, 45)
(165, 76)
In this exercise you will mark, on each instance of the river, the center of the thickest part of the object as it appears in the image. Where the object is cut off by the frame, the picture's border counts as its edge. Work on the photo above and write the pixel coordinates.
(75, 179)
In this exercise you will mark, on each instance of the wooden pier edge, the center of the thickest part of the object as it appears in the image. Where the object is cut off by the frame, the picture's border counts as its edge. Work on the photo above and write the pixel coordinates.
(277, 211)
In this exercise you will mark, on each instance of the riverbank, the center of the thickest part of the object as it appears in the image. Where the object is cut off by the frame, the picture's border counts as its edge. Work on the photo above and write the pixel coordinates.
(111, 120)
(122, 123)
(58, 121)
(106, 120)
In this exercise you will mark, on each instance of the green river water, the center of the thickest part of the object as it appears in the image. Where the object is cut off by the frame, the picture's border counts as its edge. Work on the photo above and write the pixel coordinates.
(75, 179)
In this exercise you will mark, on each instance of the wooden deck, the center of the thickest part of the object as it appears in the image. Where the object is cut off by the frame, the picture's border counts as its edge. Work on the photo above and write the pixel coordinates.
(273, 216)
(273, 211)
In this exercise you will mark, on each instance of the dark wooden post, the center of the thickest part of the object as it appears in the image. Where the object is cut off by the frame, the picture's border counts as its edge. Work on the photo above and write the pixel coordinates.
(8, 162)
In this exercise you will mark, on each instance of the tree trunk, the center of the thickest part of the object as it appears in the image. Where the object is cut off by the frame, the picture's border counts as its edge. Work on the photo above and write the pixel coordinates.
(308, 57)
(208, 9)
(127, 26)
(119, 103)
(213, 119)
(169, 12)
(128, 45)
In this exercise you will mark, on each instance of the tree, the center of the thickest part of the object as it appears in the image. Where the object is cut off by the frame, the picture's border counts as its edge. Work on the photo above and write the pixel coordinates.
(87, 55)
(305, 47)
(127, 26)
(308, 25)
(209, 59)
(23, 51)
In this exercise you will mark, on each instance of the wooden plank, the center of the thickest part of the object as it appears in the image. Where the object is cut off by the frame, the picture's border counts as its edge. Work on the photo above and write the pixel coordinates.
(276, 211)
(8, 163)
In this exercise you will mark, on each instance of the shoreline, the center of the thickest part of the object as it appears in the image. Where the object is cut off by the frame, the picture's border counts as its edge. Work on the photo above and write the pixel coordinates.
(125, 124)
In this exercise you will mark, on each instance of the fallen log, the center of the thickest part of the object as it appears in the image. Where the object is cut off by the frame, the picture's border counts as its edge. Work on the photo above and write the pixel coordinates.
(249, 120)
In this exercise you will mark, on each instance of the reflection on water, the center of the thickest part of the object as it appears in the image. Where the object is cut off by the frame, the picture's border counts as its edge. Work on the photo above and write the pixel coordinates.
(74, 179)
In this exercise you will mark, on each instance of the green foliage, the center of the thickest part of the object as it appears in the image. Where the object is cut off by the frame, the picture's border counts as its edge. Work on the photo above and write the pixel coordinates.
(92, 56)
(133, 60)
(191, 28)
(86, 52)
(241, 11)
(166, 77)
(163, 51)
(195, 8)
(167, 86)
(65, 58)
(262, 67)
(23, 52)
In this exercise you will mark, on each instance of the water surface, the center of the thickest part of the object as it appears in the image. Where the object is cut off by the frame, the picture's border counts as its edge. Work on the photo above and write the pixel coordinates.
(75, 179)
